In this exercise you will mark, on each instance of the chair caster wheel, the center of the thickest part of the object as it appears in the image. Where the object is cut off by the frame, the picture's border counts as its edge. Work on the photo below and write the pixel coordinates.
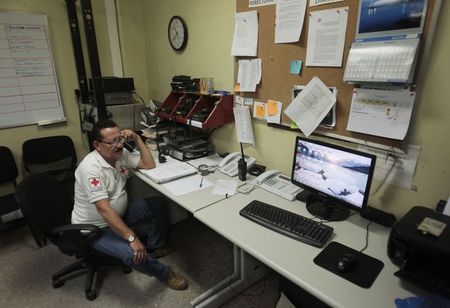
(126, 270)
(91, 295)
(56, 283)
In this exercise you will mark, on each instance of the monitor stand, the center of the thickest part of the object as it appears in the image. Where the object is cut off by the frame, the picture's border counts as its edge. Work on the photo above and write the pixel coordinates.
(326, 210)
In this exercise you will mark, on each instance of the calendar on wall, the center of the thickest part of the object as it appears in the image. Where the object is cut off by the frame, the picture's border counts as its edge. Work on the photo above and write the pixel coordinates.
(390, 61)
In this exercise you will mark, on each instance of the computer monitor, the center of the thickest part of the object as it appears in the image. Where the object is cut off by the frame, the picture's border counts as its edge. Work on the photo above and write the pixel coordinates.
(334, 178)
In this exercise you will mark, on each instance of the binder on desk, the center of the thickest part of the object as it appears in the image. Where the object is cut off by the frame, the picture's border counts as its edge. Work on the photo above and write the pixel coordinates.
(170, 172)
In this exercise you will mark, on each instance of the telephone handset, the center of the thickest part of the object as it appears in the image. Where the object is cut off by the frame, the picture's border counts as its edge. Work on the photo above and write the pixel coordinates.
(266, 175)
(229, 165)
(278, 184)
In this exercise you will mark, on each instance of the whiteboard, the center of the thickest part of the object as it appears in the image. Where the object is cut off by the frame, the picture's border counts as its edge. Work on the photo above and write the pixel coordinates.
(29, 91)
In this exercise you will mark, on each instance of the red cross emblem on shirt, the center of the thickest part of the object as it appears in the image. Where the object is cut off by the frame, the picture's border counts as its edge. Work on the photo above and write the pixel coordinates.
(95, 182)
(123, 170)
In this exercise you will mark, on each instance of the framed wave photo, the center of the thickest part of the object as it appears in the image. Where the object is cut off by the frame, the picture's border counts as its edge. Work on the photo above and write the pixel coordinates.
(390, 17)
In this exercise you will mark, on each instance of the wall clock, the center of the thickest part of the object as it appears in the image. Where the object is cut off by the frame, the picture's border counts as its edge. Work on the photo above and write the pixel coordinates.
(177, 33)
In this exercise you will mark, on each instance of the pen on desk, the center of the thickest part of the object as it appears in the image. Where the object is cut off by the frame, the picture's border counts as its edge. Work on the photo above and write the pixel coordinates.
(201, 182)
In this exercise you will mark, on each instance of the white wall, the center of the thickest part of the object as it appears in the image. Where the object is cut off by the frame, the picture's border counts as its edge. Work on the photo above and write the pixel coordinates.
(208, 51)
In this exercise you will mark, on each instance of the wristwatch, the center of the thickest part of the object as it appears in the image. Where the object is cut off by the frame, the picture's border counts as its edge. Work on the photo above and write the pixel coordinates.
(131, 238)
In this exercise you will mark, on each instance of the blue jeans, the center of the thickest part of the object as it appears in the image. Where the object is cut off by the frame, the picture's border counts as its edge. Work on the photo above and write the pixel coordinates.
(152, 211)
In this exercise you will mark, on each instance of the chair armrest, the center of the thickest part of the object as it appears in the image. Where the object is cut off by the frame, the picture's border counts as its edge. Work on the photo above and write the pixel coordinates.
(74, 239)
(77, 227)
(86, 227)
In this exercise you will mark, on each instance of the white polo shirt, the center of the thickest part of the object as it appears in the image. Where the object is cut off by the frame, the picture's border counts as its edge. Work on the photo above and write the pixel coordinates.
(95, 180)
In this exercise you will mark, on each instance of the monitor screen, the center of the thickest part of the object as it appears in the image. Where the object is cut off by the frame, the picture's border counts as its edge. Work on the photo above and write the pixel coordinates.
(338, 179)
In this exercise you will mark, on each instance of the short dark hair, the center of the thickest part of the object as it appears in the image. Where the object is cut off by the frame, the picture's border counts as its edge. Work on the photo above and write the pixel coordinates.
(96, 133)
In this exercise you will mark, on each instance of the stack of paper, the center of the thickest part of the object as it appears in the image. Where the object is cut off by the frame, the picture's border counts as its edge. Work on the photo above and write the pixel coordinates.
(158, 131)
(211, 161)
(153, 133)
(170, 172)
(152, 145)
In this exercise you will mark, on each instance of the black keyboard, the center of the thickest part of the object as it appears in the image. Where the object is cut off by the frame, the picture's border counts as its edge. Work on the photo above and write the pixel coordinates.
(287, 223)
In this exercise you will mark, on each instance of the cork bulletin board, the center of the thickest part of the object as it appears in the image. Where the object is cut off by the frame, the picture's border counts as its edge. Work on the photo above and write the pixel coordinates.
(277, 82)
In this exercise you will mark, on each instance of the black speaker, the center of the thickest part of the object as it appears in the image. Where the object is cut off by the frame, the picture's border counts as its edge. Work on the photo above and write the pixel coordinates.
(117, 84)
(378, 216)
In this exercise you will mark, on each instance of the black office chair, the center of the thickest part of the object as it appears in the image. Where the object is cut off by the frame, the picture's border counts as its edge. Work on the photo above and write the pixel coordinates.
(54, 155)
(8, 176)
(48, 208)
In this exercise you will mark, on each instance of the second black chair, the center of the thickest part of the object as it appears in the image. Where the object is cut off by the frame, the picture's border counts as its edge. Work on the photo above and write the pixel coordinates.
(54, 155)
(48, 208)
(8, 175)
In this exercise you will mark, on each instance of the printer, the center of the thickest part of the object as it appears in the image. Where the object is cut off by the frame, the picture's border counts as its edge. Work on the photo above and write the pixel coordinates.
(422, 255)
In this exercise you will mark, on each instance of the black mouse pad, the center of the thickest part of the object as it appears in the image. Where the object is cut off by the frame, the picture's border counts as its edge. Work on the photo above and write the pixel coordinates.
(362, 274)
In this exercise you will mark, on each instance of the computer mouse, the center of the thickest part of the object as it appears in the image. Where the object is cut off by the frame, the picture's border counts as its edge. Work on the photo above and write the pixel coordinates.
(347, 262)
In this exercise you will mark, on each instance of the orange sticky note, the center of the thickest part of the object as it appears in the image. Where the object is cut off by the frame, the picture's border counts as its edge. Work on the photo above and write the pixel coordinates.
(260, 111)
(272, 108)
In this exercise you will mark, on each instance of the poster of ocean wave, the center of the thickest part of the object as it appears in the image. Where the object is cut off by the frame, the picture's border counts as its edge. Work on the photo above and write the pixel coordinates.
(391, 15)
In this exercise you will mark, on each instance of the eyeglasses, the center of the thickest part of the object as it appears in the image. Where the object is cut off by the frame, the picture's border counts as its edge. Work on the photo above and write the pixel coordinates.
(115, 142)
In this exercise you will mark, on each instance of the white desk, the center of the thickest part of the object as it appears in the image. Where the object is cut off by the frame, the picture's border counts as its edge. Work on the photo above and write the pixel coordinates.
(294, 260)
(291, 258)
(194, 201)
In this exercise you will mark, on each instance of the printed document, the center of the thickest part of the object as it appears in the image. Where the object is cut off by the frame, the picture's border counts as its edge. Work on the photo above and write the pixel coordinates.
(225, 187)
(384, 113)
(326, 37)
(310, 106)
(243, 122)
(255, 3)
(397, 171)
(289, 20)
(249, 74)
(187, 185)
(320, 2)
(245, 39)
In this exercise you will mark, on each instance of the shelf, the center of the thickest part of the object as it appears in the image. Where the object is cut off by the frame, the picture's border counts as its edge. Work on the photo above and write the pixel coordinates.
(199, 110)
(169, 106)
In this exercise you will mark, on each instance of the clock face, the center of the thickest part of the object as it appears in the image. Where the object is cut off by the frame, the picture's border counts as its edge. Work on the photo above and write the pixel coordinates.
(177, 33)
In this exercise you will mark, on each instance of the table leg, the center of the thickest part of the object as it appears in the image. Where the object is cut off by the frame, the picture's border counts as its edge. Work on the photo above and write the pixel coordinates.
(247, 270)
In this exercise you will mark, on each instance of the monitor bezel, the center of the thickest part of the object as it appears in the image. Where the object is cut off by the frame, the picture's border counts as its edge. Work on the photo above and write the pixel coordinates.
(327, 197)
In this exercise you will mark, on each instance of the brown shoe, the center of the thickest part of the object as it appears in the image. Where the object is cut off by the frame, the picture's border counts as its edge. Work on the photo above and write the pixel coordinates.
(159, 252)
(176, 281)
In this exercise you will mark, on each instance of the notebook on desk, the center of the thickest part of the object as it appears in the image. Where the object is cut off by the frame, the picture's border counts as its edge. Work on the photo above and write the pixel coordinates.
(169, 172)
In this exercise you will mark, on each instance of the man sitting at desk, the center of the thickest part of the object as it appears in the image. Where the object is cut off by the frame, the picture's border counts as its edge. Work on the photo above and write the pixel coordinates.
(101, 200)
